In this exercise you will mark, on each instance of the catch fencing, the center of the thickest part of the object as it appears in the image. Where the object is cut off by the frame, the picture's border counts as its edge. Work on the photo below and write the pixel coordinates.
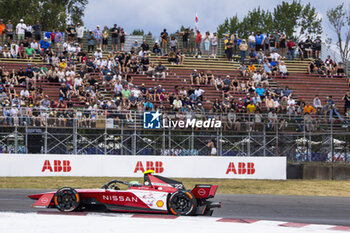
(299, 139)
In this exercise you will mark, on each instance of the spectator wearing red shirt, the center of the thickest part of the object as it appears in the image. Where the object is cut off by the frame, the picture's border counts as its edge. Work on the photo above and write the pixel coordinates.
(291, 50)
(198, 42)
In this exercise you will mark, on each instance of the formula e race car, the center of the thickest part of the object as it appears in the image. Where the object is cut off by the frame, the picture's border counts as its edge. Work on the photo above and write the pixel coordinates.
(157, 195)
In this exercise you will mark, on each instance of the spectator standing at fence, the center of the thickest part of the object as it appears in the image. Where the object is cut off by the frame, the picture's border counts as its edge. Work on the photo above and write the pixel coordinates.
(37, 30)
(282, 44)
(251, 41)
(212, 147)
(2, 31)
(122, 35)
(105, 34)
(71, 32)
(58, 40)
(80, 34)
(192, 42)
(20, 29)
(91, 41)
(9, 30)
(114, 34)
(301, 49)
(29, 32)
(185, 40)
(307, 47)
(164, 41)
(318, 46)
(98, 36)
(173, 44)
(259, 39)
(243, 47)
(198, 43)
(228, 47)
(276, 39)
(206, 41)
(291, 49)
(214, 44)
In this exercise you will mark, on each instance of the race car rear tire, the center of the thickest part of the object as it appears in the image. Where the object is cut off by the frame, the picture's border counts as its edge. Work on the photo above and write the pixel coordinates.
(67, 199)
(182, 202)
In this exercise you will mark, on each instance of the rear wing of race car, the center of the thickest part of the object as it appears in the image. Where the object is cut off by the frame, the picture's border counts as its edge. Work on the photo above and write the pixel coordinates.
(204, 191)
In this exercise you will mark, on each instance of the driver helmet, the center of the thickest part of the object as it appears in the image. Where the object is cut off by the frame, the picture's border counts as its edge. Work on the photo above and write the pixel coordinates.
(134, 182)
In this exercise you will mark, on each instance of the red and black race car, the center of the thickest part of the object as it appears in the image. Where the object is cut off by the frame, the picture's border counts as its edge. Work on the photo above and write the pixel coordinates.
(157, 195)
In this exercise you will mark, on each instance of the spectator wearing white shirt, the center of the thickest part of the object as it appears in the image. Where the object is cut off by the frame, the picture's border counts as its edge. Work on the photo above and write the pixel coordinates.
(199, 93)
(14, 50)
(29, 31)
(118, 87)
(20, 30)
(136, 92)
(98, 36)
(14, 114)
(317, 104)
(80, 34)
(177, 104)
(24, 93)
(78, 81)
(251, 41)
(283, 69)
(291, 102)
(34, 44)
(274, 55)
(71, 48)
(70, 73)
(61, 75)
(6, 52)
(65, 46)
(104, 63)
(256, 77)
(98, 53)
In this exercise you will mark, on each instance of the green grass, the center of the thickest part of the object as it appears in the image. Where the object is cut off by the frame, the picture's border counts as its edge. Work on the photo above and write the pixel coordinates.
(285, 187)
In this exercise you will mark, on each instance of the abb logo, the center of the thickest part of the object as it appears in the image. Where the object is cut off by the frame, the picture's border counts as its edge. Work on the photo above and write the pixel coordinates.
(58, 166)
(243, 168)
(157, 166)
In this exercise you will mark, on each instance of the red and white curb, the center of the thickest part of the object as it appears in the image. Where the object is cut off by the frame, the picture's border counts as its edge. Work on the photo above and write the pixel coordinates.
(254, 222)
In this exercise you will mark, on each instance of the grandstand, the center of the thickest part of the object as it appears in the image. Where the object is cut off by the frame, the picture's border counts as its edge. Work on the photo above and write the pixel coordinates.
(57, 122)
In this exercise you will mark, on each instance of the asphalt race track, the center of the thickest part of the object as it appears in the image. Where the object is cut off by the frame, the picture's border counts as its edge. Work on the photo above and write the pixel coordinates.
(304, 209)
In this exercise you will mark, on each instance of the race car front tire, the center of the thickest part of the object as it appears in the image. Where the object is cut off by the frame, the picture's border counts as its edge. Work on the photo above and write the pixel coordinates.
(182, 202)
(66, 199)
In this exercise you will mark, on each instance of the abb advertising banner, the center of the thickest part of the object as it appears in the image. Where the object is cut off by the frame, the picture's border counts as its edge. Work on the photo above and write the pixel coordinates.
(134, 166)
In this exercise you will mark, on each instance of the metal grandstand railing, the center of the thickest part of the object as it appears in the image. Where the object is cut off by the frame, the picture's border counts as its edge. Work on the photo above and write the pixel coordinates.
(296, 137)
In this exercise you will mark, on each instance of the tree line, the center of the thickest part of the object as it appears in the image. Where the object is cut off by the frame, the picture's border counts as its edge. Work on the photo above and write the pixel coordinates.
(52, 14)
(294, 19)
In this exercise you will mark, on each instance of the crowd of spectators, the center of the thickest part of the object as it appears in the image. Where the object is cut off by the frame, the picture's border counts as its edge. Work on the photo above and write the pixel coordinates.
(101, 77)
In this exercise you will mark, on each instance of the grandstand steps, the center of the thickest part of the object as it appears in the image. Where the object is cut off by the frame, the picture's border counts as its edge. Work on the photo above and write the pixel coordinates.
(307, 86)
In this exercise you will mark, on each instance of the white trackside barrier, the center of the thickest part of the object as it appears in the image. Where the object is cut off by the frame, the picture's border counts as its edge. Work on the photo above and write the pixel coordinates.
(134, 166)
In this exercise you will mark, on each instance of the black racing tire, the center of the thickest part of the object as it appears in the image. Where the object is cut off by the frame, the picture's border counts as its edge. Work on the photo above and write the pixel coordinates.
(182, 202)
(67, 199)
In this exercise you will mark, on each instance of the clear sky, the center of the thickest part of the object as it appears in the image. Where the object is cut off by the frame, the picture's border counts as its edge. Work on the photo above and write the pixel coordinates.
(154, 15)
